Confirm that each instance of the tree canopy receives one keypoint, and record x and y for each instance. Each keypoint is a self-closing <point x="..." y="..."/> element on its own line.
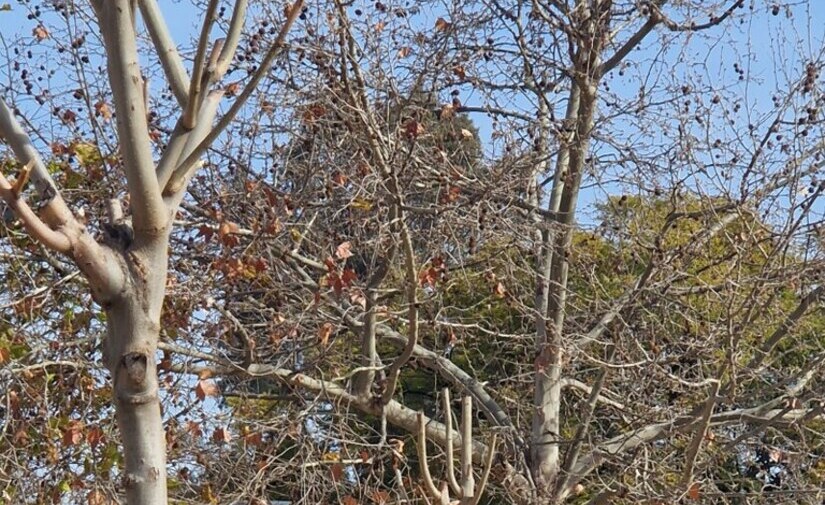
<point x="556" y="251"/>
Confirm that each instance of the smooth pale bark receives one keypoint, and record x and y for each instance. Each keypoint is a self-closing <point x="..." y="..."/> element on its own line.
<point x="575" y="140"/>
<point x="130" y="354"/>
<point x="547" y="390"/>
<point x="133" y="328"/>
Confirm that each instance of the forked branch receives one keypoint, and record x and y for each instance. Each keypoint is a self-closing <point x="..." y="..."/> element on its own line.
<point x="465" y="488"/>
<point x="39" y="230"/>
<point x="179" y="175"/>
<point x="196" y="85"/>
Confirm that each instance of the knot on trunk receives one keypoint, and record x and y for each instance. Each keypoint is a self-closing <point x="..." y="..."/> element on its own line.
<point x="130" y="382"/>
<point x="135" y="365"/>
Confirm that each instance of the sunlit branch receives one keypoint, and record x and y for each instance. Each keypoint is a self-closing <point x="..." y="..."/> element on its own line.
<point x="397" y="414"/>
<point x="232" y="37"/>
<point x="167" y="51"/>
<point x="116" y="23"/>
<point x="195" y="84"/>
<point x="207" y="114"/>
<point x="39" y="230"/>
<point x="180" y="173"/>
<point x="56" y="213"/>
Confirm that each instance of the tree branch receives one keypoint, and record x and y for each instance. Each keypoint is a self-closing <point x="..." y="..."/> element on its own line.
<point x="574" y="451"/>
<point x="232" y="37"/>
<point x="190" y="114"/>
<point x="397" y="414"/>
<point x="629" y="45"/>
<point x="628" y="441"/>
<point x="180" y="173"/>
<point x="411" y="272"/>
<point x="99" y="264"/>
<point x="186" y="144"/>
<point x="56" y="213"/>
<point x="700" y="433"/>
<point x="116" y="24"/>
<point x="782" y="330"/>
<point x="674" y="27"/>
<point x="167" y="51"/>
<point x="448" y="423"/>
<point x="38" y="230"/>
<point x="423" y="461"/>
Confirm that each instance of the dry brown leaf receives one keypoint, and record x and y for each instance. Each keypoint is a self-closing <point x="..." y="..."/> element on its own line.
<point x="227" y="232"/>
<point x="339" y="178"/>
<point x="694" y="491"/>
<point x="97" y="497"/>
<point x="413" y="129"/>
<point x="447" y="111"/>
<point x="94" y="436"/>
<point x="324" y="333"/>
<point x="194" y="428"/>
<point x="337" y="470"/>
<point x="103" y="110"/>
<point x="221" y="435"/>
<point x="40" y="32"/>
<point x="253" y="438"/>
<point x="500" y="291"/>
<point x="232" y="89"/>
<point x="344" y="250"/>
<point x="380" y="496"/>
<point x="348" y="277"/>
<point x="206" y="388"/>
<point x="73" y="433"/>
<point x="357" y="298"/>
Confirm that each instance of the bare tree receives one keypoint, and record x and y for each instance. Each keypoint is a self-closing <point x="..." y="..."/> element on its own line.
<point x="552" y="208"/>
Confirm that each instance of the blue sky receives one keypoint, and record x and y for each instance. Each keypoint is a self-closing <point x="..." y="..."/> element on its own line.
<point x="707" y="59"/>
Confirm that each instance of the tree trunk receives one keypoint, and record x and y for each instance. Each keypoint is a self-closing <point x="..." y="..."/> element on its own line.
<point x="547" y="393"/>
<point x="132" y="341"/>
<point x="550" y="360"/>
<point x="133" y="324"/>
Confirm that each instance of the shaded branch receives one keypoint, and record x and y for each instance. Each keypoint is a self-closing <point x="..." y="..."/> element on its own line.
<point x="629" y="45"/>
<point x="767" y="412"/>
<point x="574" y="451"/>
<point x="693" y="27"/>
<point x="782" y="330"/>
<point x="411" y="272"/>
